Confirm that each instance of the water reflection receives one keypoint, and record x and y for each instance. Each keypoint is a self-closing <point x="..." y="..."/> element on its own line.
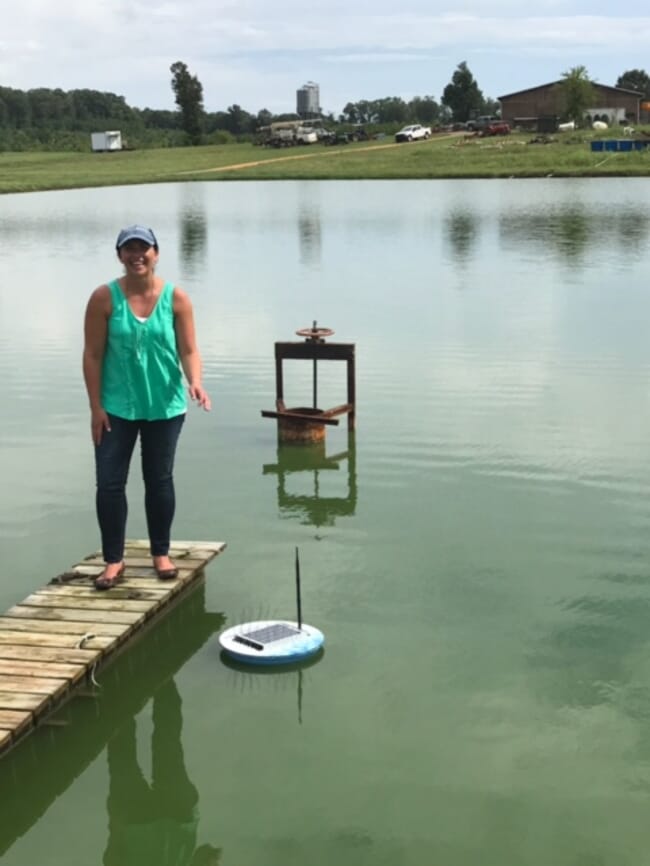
<point x="585" y="660"/>
<point x="248" y="678"/>
<point x="314" y="508"/>
<point x="309" y="233"/>
<point x="461" y="231"/>
<point x="572" y="231"/>
<point x="52" y="757"/>
<point x="309" y="225"/>
<point x="157" y="822"/>
<point x="193" y="238"/>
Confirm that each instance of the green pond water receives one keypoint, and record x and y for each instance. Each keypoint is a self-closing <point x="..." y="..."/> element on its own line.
<point x="476" y="553"/>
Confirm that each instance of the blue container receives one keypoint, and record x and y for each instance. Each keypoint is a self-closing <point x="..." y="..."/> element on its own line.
<point x="625" y="145"/>
<point x="597" y="145"/>
<point x="639" y="144"/>
<point x="611" y="144"/>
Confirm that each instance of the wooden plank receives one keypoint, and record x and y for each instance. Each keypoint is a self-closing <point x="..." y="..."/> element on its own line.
<point x="145" y="562"/>
<point x="25" y="701"/>
<point x="137" y="590"/>
<point x="76" y="615"/>
<point x="84" y="575"/>
<point x="52" y="639"/>
<point x="106" y="601"/>
<point x="32" y="685"/>
<point x="339" y="410"/>
<point x="25" y="652"/>
<point x="297" y="416"/>
<point x="15" y="720"/>
<point x="19" y="667"/>
<point x="104" y="629"/>
<point x="177" y="547"/>
<point x="61" y="641"/>
<point x="315" y="351"/>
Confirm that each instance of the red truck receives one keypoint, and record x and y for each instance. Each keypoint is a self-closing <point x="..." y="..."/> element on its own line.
<point x="495" y="127"/>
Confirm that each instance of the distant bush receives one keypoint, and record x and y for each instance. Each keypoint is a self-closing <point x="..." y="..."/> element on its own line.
<point x="220" y="136"/>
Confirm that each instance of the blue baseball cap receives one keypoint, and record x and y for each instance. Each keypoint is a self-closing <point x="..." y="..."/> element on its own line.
<point x="136" y="233"/>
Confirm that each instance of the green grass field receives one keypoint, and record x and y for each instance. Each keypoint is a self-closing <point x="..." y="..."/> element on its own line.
<point x="442" y="156"/>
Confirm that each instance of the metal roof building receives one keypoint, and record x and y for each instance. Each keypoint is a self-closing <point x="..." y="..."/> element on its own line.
<point x="612" y="104"/>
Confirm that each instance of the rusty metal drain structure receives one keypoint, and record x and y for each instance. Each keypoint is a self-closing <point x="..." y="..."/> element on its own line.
<point x="307" y="424"/>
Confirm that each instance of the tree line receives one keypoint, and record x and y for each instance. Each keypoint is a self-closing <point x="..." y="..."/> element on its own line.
<point x="54" y="119"/>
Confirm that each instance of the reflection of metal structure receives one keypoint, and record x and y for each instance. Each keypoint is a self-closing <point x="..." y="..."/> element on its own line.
<point x="316" y="510"/>
<point x="248" y="679"/>
<point x="307" y="424"/>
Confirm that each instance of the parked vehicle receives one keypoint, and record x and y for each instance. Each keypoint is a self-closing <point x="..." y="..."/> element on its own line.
<point x="414" y="132"/>
<point x="496" y="127"/>
<point x="323" y="135"/>
<point x="474" y="124"/>
<point x="358" y="134"/>
<point x="106" y="141"/>
<point x="286" y="133"/>
<point x="306" y="136"/>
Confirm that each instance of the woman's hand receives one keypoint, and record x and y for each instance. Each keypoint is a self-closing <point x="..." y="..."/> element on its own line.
<point x="199" y="396"/>
<point x="98" y="423"/>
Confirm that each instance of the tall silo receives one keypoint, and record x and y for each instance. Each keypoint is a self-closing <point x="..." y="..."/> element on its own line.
<point x="308" y="101"/>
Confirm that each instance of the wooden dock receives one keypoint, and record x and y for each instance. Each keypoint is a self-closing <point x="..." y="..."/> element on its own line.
<point x="56" y="638"/>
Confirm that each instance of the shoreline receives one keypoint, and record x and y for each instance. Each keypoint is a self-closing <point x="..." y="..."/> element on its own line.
<point x="445" y="157"/>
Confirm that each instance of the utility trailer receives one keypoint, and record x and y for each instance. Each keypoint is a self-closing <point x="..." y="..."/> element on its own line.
<point x="101" y="142"/>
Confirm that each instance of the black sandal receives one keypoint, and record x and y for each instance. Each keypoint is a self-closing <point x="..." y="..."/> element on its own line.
<point x="103" y="582"/>
<point x="167" y="573"/>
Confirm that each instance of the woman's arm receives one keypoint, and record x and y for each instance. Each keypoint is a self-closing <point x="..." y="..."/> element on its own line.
<point x="95" y="331"/>
<point x="187" y="349"/>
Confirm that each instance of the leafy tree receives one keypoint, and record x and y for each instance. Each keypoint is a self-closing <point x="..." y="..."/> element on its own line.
<point x="635" y="79"/>
<point x="576" y="93"/>
<point x="424" y="110"/>
<point x="50" y="108"/>
<point x="462" y="95"/>
<point x="18" y="111"/>
<point x="491" y="107"/>
<point x="390" y="109"/>
<point x="188" y="92"/>
<point x="160" y="118"/>
<point x="264" y="117"/>
<point x="238" y="121"/>
<point x="349" y="114"/>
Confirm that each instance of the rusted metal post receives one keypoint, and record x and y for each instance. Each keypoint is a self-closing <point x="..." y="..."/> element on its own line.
<point x="351" y="392"/>
<point x="302" y="424"/>
<point x="279" y="381"/>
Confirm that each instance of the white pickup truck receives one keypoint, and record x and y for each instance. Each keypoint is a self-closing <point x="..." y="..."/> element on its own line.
<point x="413" y="132"/>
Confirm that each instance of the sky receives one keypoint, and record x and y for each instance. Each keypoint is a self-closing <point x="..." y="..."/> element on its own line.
<point x="257" y="53"/>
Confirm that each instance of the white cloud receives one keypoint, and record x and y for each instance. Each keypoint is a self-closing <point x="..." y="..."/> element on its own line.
<point x="257" y="54"/>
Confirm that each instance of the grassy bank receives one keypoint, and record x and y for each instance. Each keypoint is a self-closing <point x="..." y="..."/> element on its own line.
<point x="444" y="156"/>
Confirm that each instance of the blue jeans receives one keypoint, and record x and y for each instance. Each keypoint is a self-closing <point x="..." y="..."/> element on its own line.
<point x="112" y="460"/>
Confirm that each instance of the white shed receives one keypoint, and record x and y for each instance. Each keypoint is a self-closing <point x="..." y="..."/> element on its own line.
<point x="111" y="140"/>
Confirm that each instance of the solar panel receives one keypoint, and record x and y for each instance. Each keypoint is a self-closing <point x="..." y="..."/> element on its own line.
<point x="271" y="633"/>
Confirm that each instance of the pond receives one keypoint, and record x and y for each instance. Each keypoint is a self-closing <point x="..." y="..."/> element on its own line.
<point x="476" y="553"/>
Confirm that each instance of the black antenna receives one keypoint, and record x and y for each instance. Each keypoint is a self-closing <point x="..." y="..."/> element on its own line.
<point x="298" y="600"/>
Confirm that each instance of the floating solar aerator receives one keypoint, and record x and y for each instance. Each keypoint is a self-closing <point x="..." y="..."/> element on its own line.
<point x="273" y="641"/>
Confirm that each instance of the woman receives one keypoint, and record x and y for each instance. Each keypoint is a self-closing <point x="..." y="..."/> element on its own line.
<point x="139" y="332"/>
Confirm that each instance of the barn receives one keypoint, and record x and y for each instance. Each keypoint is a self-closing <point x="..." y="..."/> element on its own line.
<point x="539" y="107"/>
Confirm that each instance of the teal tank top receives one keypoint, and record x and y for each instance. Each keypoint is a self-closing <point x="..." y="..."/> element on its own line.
<point x="141" y="376"/>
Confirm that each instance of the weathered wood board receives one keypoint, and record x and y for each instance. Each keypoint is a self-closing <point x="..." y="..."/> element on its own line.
<point x="56" y="637"/>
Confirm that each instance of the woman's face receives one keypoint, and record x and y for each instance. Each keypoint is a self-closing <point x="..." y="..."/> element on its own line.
<point x="137" y="257"/>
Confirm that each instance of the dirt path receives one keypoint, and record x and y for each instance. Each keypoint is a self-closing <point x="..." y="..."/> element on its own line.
<point x="320" y="153"/>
